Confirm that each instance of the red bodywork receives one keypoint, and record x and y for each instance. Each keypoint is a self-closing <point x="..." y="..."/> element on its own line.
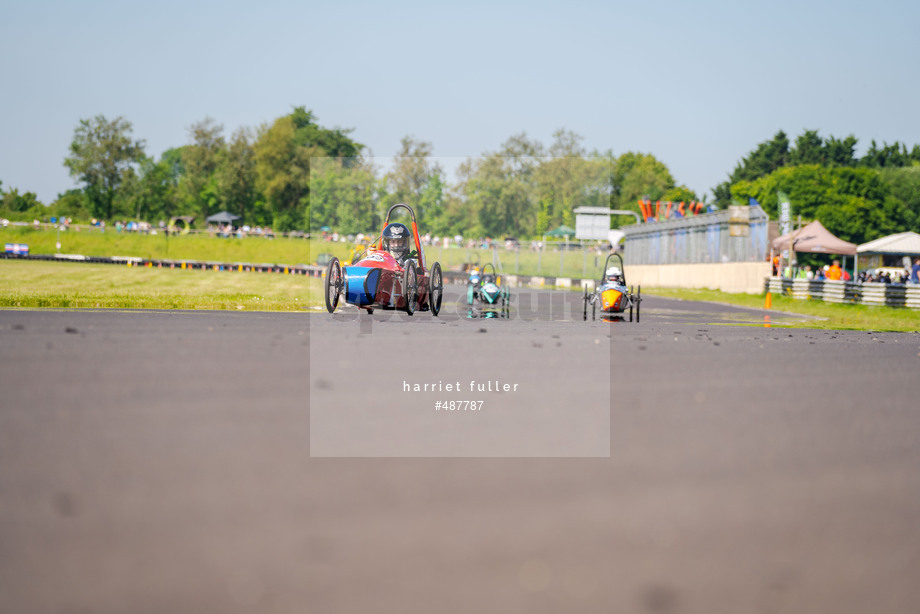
<point x="391" y="273"/>
<point x="391" y="278"/>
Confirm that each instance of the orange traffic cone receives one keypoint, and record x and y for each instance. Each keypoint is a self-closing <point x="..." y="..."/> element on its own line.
<point x="768" y="304"/>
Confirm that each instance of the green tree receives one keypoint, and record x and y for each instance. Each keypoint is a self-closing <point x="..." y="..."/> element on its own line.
<point x="853" y="203"/>
<point x="903" y="184"/>
<point x="334" y="142"/>
<point x="416" y="180"/>
<point x="894" y="155"/>
<point x="20" y="203"/>
<point x="23" y="207"/>
<point x="283" y="152"/>
<point x="840" y="152"/>
<point x="637" y="176"/>
<point x="499" y="189"/>
<point x="809" y="149"/>
<point x="155" y="194"/>
<point x="71" y="204"/>
<point x="172" y="158"/>
<point x="678" y="194"/>
<point x="570" y="178"/>
<point x="236" y="174"/>
<point x="343" y="195"/>
<point x="198" y="185"/>
<point x="766" y="158"/>
<point x="102" y="156"/>
<point x="283" y="173"/>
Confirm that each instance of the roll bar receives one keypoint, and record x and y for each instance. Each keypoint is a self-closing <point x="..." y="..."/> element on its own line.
<point x="418" y="243"/>
<point x="607" y="266"/>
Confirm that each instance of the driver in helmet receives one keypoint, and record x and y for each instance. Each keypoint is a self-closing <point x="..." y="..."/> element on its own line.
<point x="615" y="275"/>
<point x="396" y="242"/>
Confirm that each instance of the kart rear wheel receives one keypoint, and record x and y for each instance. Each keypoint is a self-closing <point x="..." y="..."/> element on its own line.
<point x="334" y="284"/>
<point x="435" y="289"/>
<point x="585" y="299"/>
<point x="410" y="287"/>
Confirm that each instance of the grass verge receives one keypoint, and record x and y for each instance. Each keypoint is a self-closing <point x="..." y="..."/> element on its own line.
<point x="828" y="315"/>
<point x="30" y="284"/>
<point x="282" y="250"/>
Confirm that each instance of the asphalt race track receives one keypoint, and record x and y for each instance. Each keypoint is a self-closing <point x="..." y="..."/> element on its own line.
<point x="160" y="462"/>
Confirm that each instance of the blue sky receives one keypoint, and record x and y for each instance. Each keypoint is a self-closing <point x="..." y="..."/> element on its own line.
<point x="696" y="84"/>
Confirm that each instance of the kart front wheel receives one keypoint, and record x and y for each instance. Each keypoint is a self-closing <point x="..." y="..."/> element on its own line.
<point x="410" y="287"/>
<point x="334" y="284"/>
<point x="638" y="301"/>
<point x="435" y="288"/>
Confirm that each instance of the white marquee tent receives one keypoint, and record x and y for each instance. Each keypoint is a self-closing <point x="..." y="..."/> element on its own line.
<point x="900" y="244"/>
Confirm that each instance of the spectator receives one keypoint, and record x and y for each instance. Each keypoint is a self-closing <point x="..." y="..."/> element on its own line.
<point x="915" y="272"/>
<point x="834" y="272"/>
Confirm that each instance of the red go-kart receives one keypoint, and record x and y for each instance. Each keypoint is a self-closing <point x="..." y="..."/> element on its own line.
<point x="378" y="280"/>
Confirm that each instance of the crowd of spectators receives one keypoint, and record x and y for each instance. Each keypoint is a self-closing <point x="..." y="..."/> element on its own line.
<point x="141" y="227"/>
<point x="891" y="275"/>
<point x="229" y="230"/>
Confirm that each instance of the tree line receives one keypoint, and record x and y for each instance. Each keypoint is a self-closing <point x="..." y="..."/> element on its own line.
<point x="856" y="198"/>
<point x="294" y="174"/>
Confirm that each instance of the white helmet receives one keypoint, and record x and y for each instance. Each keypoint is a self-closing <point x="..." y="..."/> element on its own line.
<point x="614" y="272"/>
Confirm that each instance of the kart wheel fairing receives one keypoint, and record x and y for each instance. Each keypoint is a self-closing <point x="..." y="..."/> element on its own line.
<point x="361" y="285"/>
<point x="611" y="300"/>
<point x="490" y="293"/>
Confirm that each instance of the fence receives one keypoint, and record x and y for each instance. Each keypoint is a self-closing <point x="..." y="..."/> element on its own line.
<point x="736" y="234"/>
<point x="891" y="295"/>
<point x="164" y="263"/>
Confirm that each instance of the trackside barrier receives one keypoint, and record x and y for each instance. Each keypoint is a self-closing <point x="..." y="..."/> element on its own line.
<point x="133" y="261"/>
<point x="833" y="291"/>
<point x="736" y="234"/>
<point x="725" y="276"/>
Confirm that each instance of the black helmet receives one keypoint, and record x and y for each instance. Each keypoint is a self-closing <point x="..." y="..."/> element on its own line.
<point x="396" y="240"/>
